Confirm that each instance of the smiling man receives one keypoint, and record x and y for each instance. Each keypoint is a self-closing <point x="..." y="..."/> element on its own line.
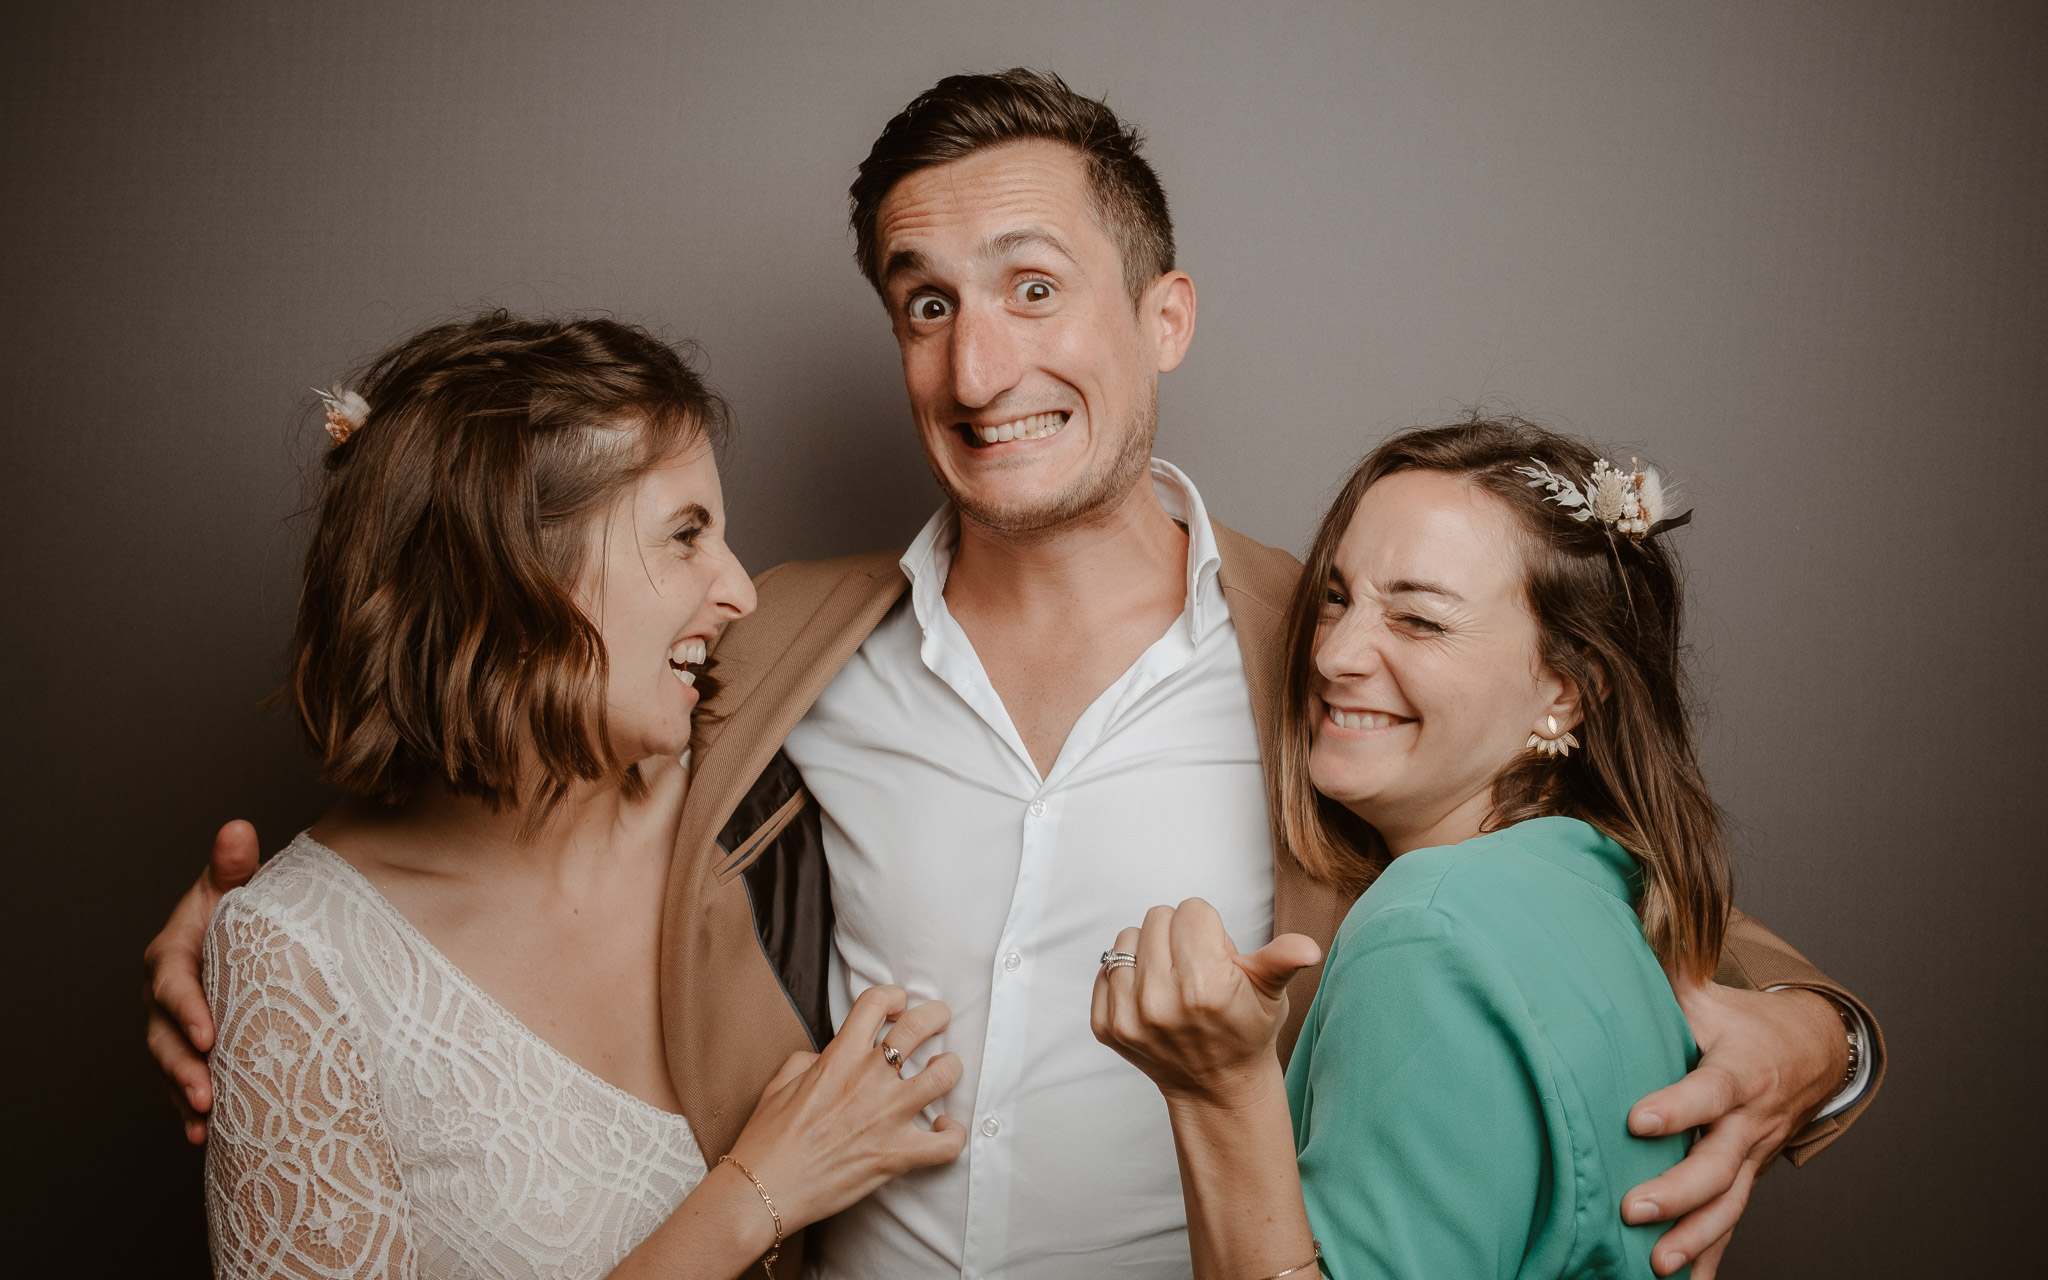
<point x="962" y="767"/>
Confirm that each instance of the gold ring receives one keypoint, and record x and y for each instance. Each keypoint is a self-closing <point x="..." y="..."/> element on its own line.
<point x="891" y="1055"/>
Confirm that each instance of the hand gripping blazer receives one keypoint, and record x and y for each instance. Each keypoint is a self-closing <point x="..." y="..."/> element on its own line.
<point x="747" y="926"/>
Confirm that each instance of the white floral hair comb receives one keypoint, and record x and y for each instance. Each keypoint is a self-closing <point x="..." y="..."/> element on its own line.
<point x="1632" y="502"/>
<point x="346" y="411"/>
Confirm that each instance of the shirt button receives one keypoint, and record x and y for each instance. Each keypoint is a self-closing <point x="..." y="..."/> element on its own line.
<point x="1038" y="808"/>
<point x="1011" y="961"/>
<point x="991" y="1127"/>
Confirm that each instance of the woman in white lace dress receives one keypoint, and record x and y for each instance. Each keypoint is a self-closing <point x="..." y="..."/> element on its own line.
<point x="439" y="1050"/>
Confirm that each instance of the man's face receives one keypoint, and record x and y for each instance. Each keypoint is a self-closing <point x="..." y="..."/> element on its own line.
<point x="1033" y="379"/>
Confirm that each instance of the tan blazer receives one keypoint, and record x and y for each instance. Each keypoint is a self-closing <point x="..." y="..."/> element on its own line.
<point x="746" y="932"/>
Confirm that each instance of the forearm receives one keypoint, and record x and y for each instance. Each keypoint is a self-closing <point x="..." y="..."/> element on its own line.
<point x="1238" y="1177"/>
<point x="719" y="1230"/>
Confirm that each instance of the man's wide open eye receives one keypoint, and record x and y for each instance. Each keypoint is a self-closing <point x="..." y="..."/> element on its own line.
<point x="929" y="306"/>
<point x="1034" y="291"/>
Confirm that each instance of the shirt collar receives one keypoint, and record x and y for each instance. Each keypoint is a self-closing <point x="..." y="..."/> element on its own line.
<point x="930" y="558"/>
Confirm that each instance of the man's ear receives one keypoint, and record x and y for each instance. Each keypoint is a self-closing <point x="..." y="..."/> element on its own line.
<point x="1168" y="310"/>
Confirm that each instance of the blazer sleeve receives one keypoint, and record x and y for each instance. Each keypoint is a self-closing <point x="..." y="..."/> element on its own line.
<point x="1756" y="959"/>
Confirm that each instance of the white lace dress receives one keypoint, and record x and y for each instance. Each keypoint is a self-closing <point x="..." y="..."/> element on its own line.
<point x="376" y="1114"/>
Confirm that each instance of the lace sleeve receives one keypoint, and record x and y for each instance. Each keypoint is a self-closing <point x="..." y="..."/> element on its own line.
<point x="301" y="1179"/>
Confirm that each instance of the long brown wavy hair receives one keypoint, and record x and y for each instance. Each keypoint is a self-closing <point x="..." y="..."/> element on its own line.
<point x="1607" y="610"/>
<point x="438" y="637"/>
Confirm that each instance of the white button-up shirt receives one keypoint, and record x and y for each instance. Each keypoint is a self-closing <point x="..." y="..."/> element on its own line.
<point x="961" y="875"/>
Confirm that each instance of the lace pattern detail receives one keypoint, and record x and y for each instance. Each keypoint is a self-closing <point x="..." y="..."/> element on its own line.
<point x="377" y="1114"/>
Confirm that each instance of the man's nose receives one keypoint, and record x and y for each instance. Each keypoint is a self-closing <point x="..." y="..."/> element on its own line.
<point x="985" y="356"/>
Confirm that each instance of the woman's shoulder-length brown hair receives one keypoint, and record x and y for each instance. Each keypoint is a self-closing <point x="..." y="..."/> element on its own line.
<point x="1608" y="613"/>
<point x="438" y="638"/>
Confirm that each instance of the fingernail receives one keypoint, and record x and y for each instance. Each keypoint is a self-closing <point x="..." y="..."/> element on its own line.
<point x="1648" y="1122"/>
<point x="192" y="1032"/>
<point x="1673" y="1261"/>
<point x="1643" y="1211"/>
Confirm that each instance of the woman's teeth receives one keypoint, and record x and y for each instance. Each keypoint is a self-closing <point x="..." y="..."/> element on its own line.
<point x="1036" y="427"/>
<point x="684" y="654"/>
<point x="1361" y="719"/>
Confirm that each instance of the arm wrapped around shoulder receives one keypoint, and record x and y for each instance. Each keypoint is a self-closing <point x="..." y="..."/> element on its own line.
<point x="1755" y="959"/>
<point x="301" y="1178"/>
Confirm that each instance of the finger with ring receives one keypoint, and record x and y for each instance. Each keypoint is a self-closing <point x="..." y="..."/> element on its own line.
<point x="1118" y="960"/>
<point x="891" y="1055"/>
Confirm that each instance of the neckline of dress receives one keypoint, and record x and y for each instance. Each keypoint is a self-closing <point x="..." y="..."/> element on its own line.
<point x="412" y="931"/>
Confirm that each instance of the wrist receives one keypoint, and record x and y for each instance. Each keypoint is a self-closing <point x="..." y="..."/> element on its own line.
<point x="720" y="1229"/>
<point x="1850" y="1051"/>
<point x="1251" y="1087"/>
<point x="1823" y="1022"/>
<point x="750" y="1207"/>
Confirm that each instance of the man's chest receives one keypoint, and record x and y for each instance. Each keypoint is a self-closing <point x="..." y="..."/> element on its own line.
<point x="948" y="851"/>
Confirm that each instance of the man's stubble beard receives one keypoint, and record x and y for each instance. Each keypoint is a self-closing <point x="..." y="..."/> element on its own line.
<point x="1092" y="496"/>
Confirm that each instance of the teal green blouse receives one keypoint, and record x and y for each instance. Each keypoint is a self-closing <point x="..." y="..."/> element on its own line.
<point x="1489" y="1013"/>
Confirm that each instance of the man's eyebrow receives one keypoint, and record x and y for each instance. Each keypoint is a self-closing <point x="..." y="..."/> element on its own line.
<point x="1405" y="586"/>
<point x="1009" y="242"/>
<point x="690" y="511"/>
<point x="911" y="262"/>
<point x="901" y="261"/>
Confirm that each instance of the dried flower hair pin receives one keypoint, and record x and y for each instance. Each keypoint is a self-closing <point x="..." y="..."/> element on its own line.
<point x="346" y="411"/>
<point x="1631" y="502"/>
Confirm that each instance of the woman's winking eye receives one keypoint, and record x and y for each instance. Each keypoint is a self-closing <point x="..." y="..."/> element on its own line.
<point x="692" y="529"/>
<point x="1419" y="624"/>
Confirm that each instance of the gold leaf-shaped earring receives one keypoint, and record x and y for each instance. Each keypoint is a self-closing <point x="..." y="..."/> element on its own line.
<point x="1554" y="745"/>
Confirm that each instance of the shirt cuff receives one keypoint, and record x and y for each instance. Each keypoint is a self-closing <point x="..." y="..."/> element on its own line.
<point x="1858" y="1031"/>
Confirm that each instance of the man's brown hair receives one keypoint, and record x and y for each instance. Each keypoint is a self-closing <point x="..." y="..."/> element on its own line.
<point x="961" y="115"/>
<point x="1607" y="611"/>
<point x="438" y="638"/>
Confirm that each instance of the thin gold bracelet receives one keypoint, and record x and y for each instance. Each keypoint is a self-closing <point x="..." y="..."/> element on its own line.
<point x="774" y="1250"/>
<point x="1304" y="1266"/>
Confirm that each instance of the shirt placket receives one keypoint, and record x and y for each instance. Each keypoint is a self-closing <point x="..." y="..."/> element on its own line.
<point x="991" y="1131"/>
<point x="995" y="1127"/>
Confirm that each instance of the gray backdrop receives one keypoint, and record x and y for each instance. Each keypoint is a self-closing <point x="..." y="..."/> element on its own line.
<point x="1793" y="251"/>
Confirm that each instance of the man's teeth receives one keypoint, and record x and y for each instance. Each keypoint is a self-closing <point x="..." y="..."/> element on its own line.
<point x="687" y="677"/>
<point x="1035" y="427"/>
<point x="1361" y="719"/>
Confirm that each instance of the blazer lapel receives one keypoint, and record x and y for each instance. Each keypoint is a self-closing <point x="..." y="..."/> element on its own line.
<point x="727" y="1021"/>
<point x="771" y="669"/>
<point x="1258" y="583"/>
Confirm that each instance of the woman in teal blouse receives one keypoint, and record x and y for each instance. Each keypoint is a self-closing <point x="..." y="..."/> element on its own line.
<point x="1485" y="723"/>
<point x="1460" y="1090"/>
